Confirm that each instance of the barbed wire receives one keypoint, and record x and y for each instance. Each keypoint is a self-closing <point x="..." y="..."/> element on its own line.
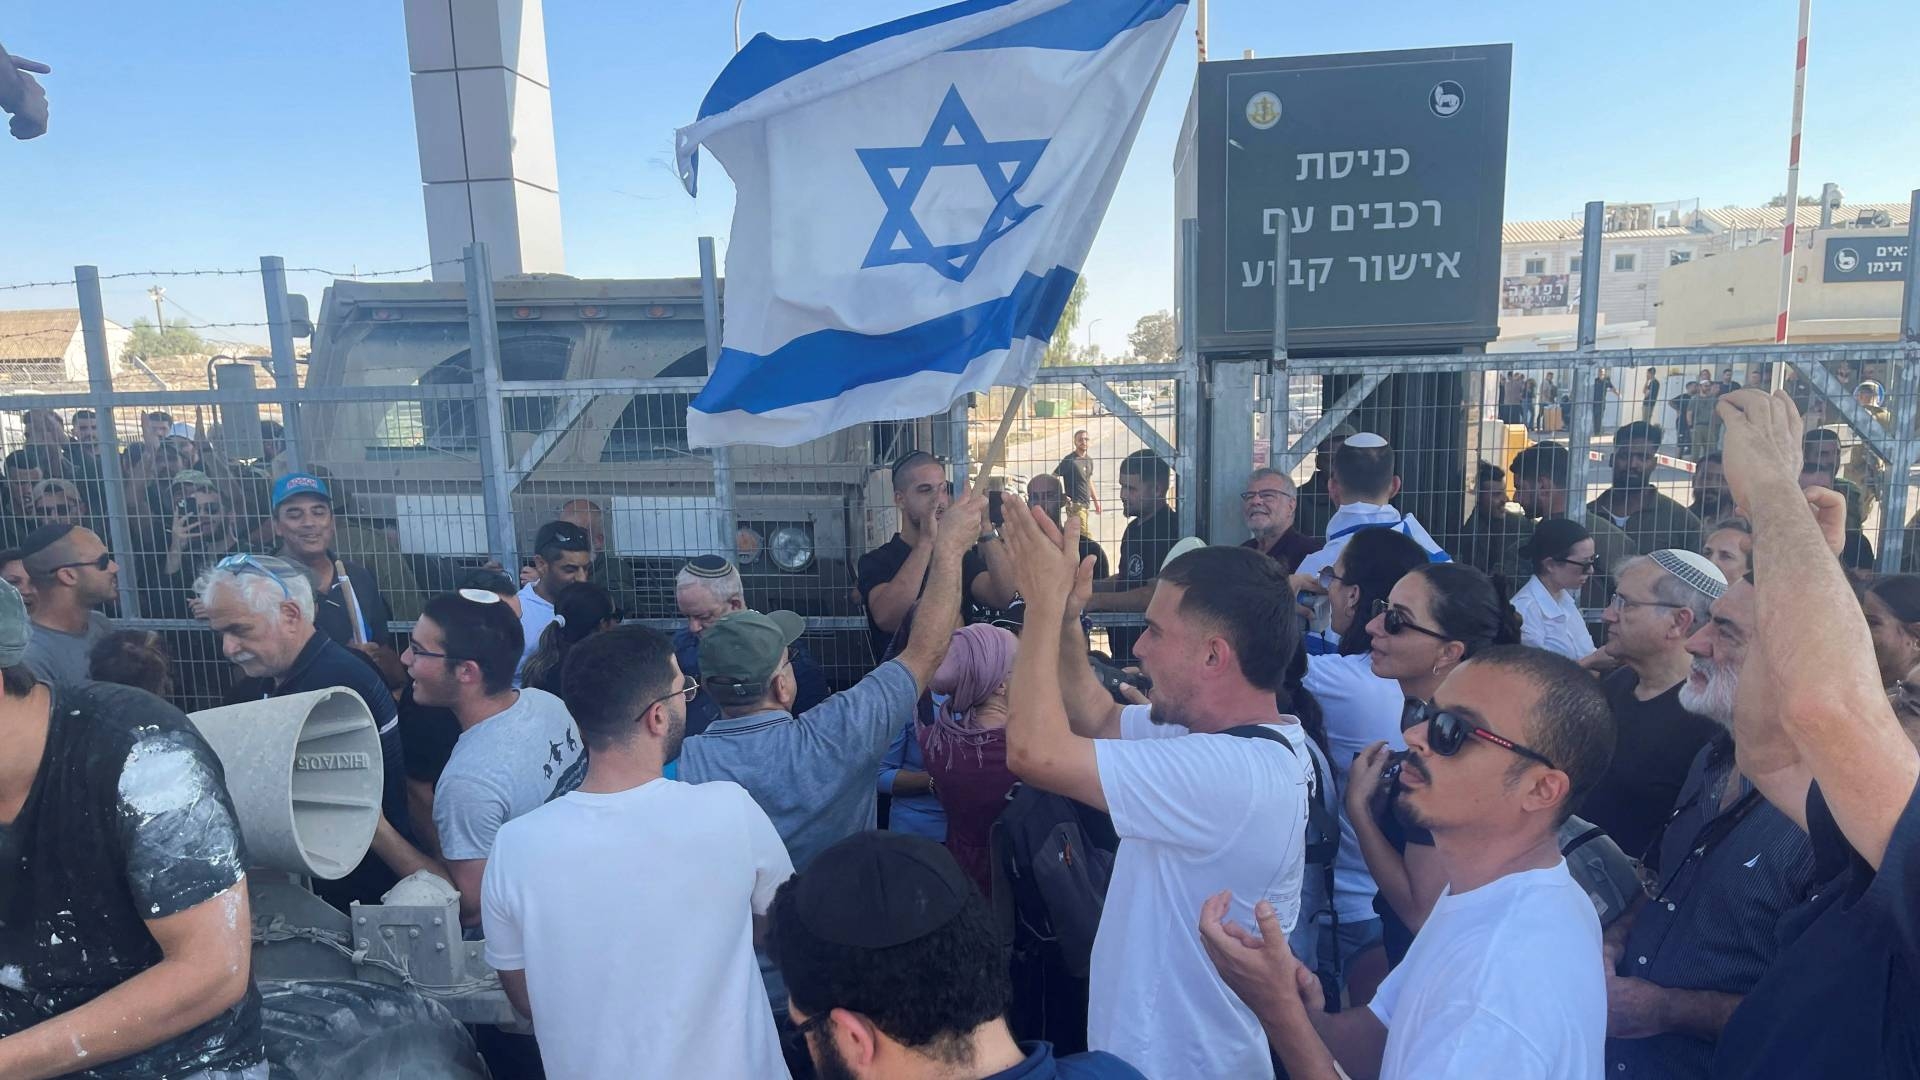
<point x="345" y="274"/>
<point x="57" y="334"/>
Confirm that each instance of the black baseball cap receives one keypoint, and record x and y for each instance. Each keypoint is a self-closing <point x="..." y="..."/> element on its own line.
<point x="876" y="890"/>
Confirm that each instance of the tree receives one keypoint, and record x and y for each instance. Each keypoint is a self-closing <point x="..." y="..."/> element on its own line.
<point x="1779" y="202"/>
<point x="174" y="340"/>
<point x="1060" y="351"/>
<point x="1152" y="339"/>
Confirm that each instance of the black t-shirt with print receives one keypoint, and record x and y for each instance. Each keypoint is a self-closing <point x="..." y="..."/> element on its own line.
<point x="128" y="820"/>
<point x="1143" y="547"/>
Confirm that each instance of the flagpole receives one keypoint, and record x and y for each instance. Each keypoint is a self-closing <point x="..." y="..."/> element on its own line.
<point x="998" y="446"/>
<point x="1793" y="175"/>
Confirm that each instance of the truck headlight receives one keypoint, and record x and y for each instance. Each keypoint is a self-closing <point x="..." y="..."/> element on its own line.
<point x="748" y="543"/>
<point x="790" y="548"/>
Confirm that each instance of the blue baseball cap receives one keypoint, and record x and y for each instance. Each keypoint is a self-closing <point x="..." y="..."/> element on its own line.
<point x="299" y="484"/>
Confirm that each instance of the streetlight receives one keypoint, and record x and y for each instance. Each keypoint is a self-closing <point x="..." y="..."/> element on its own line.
<point x="1087" y="344"/>
<point x="737" y="5"/>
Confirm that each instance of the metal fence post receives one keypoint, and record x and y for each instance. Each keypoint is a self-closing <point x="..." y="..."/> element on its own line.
<point x="1279" y="397"/>
<point x="93" y="331"/>
<point x="1586" y="364"/>
<point x="273" y="282"/>
<point x="1186" y="435"/>
<point x="483" y="341"/>
<point x="722" y="455"/>
<point x="1906" y="405"/>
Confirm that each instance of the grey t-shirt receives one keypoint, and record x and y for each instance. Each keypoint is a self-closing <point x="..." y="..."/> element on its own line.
<point x="508" y="764"/>
<point x="61" y="658"/>
<point x="812" y="773"/>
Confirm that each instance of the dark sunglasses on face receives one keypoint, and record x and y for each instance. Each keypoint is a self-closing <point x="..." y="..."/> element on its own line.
<point x="105" y="560"/>
<point x="1586" y="565"/>
<point x="1395" y="621"/>
<point x="1448" y="731"/>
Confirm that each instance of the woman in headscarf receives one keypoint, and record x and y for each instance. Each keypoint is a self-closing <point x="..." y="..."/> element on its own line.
<point x="965" y="747"/>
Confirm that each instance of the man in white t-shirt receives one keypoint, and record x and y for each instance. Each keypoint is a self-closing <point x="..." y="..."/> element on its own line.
<point x="1193" y="805"/>
<point x="562" y="556"/>
<point x="1502" y="979"/>
<point x="621" y="916"/>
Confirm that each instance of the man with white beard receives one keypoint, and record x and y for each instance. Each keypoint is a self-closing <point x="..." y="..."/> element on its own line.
<point x="1726" y="867"/>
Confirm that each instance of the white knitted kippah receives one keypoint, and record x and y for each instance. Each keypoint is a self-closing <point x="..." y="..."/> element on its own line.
<point x="1366" y="440"/>
<point x="1694" y="569"/>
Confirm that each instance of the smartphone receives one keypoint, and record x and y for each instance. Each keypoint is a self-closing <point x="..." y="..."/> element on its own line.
<point x="1112" y="678"/>
<point x="994" y="513"/>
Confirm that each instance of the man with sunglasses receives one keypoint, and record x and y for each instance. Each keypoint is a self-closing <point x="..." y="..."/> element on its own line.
<point x="73" y="576"/>
<point x="1503" y="978"/>
<point x="891" y="576"/>
<point x="260" y="609"/>
<point x="517" y="748"/>
<point x="620" y="916"/>
<point x="1659" y="601"/>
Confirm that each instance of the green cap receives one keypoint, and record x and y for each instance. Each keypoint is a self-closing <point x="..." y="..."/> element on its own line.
<point x="739" y="653"/>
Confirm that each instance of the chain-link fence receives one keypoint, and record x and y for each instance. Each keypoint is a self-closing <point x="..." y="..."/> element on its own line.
<point x="446" y="452"/>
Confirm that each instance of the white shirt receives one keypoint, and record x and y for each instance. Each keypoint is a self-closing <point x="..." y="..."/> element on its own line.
<point x="1506" y="980"/>
<point x="1353" y="517"/>
<point x="535" y="613"/>
<point x="1550" y="624"/>
<point x="1196" y="814"/>
<point x="1361" y="709"/>
<point x="632" y="916"/>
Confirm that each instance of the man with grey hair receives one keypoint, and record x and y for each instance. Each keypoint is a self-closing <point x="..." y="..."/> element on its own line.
<point x="1731" y="867"/>
<point x="260" y="608"/>
<point x="1659" y="600"/>
<point x="707" y="589"/>
<point x="1268" y="505"/>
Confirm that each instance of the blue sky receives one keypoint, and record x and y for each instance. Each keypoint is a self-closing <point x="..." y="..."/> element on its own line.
<point x="206" y="134"/>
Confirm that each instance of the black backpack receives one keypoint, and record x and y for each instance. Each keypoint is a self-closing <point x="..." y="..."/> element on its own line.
<point x="1052" y="860"/>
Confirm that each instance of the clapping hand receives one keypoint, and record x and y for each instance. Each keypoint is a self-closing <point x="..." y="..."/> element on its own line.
<point x="1260" y="968"/>
<point x="21" y="95"/>
<point x="1046" y="560"/>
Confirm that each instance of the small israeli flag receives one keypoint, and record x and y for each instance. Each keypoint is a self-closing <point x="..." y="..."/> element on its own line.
<point x="914" y="203"/>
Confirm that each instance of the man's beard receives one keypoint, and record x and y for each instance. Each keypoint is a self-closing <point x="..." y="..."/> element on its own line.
<point x="1167" y="714"/>
<point x="676" y="736"/>
<point x="1629" y="479"/>
<point x="828" y="1062"/>
<point x="1712" y="501"/>
<point x="1715" y="700"/>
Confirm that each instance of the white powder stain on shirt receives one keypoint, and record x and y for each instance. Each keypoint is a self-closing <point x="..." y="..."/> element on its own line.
<point x="13" y="978"/>
<point x="160" y="777"/>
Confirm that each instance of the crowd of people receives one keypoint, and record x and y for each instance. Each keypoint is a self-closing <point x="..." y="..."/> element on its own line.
<point x="1342" y="802"/>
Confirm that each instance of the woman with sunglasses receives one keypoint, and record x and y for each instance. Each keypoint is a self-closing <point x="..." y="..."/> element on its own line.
<point x="1561" y="552"/>
<point x="1433" y="620"/>
<point x="1360" y="709"/>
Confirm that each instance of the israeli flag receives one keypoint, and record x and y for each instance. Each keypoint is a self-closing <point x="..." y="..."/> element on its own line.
<point x="914" y="203"/>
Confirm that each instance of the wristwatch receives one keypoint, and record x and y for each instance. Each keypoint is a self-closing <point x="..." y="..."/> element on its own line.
<point x="990" y="534"/>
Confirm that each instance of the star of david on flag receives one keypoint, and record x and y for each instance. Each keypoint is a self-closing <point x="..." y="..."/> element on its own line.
<point x="913" y="204"/>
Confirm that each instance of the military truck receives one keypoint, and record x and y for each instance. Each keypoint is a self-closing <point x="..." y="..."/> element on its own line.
<point x="633" y="351"/>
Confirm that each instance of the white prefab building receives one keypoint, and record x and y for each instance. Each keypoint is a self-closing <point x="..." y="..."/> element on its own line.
<point x="40" y="347"/>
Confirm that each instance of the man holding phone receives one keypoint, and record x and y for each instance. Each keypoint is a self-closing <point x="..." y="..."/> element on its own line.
<point x="202" y="533"/>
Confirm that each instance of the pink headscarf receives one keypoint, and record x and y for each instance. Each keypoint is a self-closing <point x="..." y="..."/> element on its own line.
<point x="979" y="661"/>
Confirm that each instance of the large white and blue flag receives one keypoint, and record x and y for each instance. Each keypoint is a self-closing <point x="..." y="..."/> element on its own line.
<point x="913" y="204"/>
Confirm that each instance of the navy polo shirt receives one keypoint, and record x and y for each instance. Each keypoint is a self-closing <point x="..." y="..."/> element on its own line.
<point x="1042" y="1065"/>
<point x="1842" y="998"/>
<point x="1727" y="874"/>
<point x="324" y="664"/>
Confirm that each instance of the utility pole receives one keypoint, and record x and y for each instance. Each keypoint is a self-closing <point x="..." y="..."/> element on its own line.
<point x="155" y="294"/>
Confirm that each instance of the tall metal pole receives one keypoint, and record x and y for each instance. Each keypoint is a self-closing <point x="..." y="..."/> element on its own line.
<point x="93" y="332"/>
<point x="286" y="377"/>
<point x="483" y="339"/>
<point x="1793" y="175"/>
<point x="1187" y="425"/>
<point x="1279" y="378"/>
<point x="722" y="456"/>
<point x="1905" y="380"/>
<point x="1586" y="363"/>
<point x="1200" y="28"/>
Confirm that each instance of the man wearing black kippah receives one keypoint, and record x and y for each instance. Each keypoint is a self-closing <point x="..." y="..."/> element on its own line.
<point x="894" y="970"/>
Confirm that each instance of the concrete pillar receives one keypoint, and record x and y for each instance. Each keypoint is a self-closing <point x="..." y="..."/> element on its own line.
<point x="484" y="120"/>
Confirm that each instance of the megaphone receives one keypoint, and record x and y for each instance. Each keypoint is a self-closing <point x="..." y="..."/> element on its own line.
<point x="305" y="775"/>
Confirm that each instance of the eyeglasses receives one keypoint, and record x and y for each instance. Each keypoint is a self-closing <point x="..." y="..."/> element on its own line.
<point x="1585" y="565"/>
<point x="1265" y="496"/>
<point x="240" y="564"/>
<point x="1394" y="621"/>
<point x="105" y="560"/>
<point x="413" y="646"/>
<point x="1447" y="732"/>
<point x="685" y="693"/>
<point x="1328" y="577"/>
<point x="1622" y="602"/>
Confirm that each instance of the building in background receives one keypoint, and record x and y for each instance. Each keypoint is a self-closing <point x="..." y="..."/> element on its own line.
<point x="42" y="348"/>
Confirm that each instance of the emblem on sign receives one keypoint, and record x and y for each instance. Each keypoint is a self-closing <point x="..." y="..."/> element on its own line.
<point x="1845" y="260"/>
<point x="1446" y="98"/>
<point x="1263" y="109"/>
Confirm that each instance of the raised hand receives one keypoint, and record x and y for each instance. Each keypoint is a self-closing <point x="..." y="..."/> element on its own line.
<point x="1260" y="968"/>
<point x="1761" y="441"/>
<point x="957" y="530"/>
<point x="1046" y="560"/>
<point x="1363" y="779"/>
